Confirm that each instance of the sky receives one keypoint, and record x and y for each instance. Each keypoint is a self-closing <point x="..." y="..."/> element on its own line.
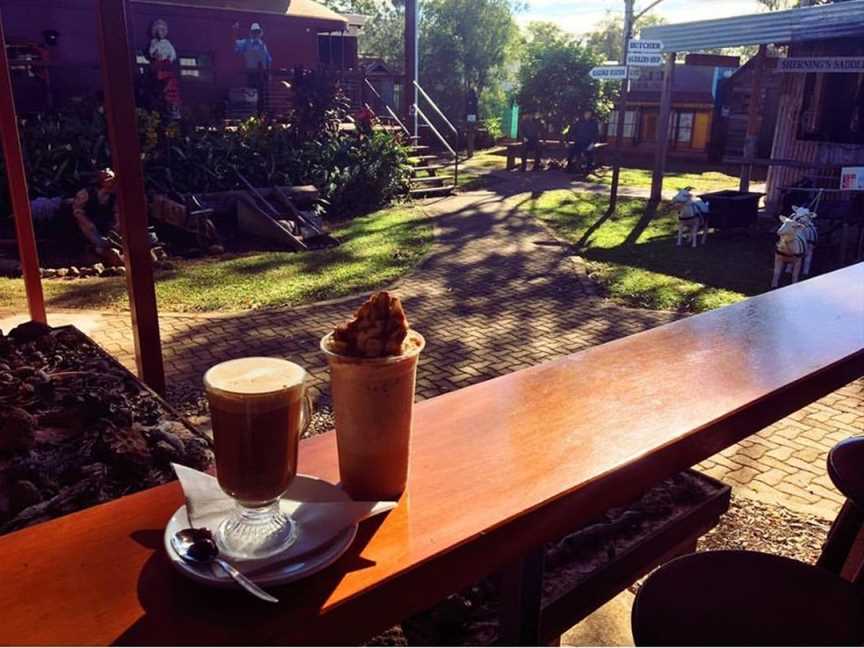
<point x="580" y="16"/>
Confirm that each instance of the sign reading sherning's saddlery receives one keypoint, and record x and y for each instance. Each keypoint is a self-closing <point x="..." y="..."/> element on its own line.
<point x="832" y="64"/>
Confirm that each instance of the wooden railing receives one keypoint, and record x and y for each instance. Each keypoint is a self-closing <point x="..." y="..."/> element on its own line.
<point x="498" y="469"/>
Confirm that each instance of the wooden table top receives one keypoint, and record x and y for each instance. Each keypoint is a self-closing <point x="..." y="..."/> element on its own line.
<point x="498" y="468"/>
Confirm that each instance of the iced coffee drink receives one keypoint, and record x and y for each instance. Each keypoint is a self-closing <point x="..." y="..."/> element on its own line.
<point x="373" y="370"/>
<point x="259" y="409"/>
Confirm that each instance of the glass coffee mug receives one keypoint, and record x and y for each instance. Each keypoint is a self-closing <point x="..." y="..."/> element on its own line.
<point x="259" y="409"/>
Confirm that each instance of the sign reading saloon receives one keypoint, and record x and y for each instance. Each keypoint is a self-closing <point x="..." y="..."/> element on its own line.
<point x="609" y="73"/>
<point x="832" y="64"/>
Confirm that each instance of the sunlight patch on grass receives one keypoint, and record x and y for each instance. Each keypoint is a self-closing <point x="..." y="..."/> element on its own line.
<point x="701" y="182"/>
<point x="653" y="272"/>
<point x="376" y="250"/>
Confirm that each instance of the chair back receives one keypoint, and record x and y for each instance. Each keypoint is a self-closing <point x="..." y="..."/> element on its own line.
<point x="846" y="470"/>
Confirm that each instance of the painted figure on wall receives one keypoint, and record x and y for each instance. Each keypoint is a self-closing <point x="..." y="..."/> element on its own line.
<point x="163" y="61"/>
<point x="257" y="60"/>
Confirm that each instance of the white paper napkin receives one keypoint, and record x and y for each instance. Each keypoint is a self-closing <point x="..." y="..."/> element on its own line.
<point x="318" y="510"/>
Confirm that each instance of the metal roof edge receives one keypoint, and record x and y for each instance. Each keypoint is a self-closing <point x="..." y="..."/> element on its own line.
<point x="811" y="23"/>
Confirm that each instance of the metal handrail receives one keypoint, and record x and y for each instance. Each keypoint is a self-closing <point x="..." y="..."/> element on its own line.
<point x="437" y="109"/>
<point x="389" y="109"/>
<point x="444" y="141"/>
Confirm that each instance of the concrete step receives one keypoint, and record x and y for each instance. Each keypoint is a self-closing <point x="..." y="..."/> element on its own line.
<point x="429" y="167"/>
<point x="432" y="192"/>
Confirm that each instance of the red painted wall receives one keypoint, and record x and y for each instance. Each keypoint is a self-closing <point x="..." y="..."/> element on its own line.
<point x="292" y="42"/>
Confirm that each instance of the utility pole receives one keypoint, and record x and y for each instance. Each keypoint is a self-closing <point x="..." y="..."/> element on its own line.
<point x="409" y="94"/>
<point x="622" y="104"/>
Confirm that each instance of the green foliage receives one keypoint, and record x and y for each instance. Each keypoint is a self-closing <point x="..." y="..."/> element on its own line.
<point x="608" y="38"/>
<point x="382" y="35"/>
<point x="376" y="250"/>
<point x="465" y="44"/>
<point x="494" y="127"/>
<point x="554" y="80"/>
<point x="356" y="173"/>
<point x="653" y="272"/>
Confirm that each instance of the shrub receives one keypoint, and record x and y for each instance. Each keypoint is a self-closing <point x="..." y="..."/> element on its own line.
<point x="354" y="172"/>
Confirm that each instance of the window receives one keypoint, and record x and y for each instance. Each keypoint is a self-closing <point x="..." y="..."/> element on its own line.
<point x="629" y="124"/>
<point x="832" y="108"/>
<point x="649" y="127"/>
<point x="685" y="128"/>
<point x="199" y="68"/>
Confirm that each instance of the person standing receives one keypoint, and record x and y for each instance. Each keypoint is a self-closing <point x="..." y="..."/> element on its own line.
<point x="583" y="135"/>
<point x="531" y="144"/>
<point x="258" y="61"/>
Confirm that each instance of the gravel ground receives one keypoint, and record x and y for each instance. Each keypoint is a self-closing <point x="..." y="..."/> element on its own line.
<point x="773" y="529"/>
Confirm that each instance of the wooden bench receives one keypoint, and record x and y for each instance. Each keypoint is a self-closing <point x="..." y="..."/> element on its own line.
<point x="555" y="149"/>
<point x="499" y="469"/>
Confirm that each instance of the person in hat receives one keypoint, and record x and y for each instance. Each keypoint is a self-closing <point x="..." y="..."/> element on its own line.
<point x="257" y="59"/>
<point x="96" y="214"/>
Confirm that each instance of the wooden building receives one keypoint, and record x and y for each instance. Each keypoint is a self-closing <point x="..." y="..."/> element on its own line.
<point x="695" y="84"/>
<point x="62" y="63"/>
<point x="820" y="106"/>
<point x="820" y="122"/>
<point x="734" y="94"/>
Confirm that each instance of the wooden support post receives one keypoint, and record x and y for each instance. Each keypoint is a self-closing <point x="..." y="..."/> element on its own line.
<point x="17" y="178"/>
<point x="753" y="120"/>
<point x="521" y="601"/>
<point x="119" y="84"/>
<point x="409" y="98"/>
<point x="622" y="106"/>
<point x="663" y="131"/>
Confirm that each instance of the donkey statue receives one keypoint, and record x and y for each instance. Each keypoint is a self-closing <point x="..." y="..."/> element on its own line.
<point x="805" y="216"/>
<point x="692" y="216"/>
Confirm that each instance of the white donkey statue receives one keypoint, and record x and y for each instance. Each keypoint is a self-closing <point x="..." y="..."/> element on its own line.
<point x="692" y="216"/>
<point x="792" y="249"/>
<point x="805" y="216"/>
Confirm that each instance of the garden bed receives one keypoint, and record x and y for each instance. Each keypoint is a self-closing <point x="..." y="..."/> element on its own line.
<point x="583" y="569"/>
<point x="78" y="429"/>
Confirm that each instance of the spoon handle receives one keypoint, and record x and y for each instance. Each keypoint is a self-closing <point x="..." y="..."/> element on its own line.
<point x="244" y="582"/>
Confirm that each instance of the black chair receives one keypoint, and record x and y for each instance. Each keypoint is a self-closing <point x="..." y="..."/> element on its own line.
<point x="738" y="598"/>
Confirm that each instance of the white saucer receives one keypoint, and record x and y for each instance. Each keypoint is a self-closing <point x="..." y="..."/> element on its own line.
<point x="279" y="573"/>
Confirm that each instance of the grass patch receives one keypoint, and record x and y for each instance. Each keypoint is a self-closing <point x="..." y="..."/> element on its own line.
<point x="376" y="250"/>
<point x="474" y="173"/>
<point x="701" y="182"/>
<point x="653" y="272"/>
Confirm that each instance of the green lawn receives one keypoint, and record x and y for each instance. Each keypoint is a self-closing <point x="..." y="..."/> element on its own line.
<point x="701" y="182"/>
<point x="473" y="173"/>
<point x="376" y="250"/>
<point x="653" y="272"/>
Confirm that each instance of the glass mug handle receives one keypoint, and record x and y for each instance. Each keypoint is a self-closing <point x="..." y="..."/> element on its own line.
<point x="306" y="412"/>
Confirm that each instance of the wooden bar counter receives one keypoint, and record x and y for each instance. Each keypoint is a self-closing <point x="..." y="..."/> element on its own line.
<point x="497" y="469"/>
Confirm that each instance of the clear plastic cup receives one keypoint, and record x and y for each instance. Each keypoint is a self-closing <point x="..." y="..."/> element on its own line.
<point x="373" y="401"/>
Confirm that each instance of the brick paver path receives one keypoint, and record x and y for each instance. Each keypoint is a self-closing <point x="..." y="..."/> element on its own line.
<point x="497" y="295"/>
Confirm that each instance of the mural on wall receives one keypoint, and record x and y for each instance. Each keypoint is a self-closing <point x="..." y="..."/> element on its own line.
<point x="163" y="62"/>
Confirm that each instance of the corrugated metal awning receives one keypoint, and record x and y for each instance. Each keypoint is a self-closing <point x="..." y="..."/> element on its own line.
<point x="836" y="20"/>
<point x="290" y="8"/>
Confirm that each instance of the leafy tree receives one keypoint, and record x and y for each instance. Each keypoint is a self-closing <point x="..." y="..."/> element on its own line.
<point x="383" y="33"/>
<point x="465" y="45"/>
<point x="554" y="79"/>
<point x="608" y="38"/>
